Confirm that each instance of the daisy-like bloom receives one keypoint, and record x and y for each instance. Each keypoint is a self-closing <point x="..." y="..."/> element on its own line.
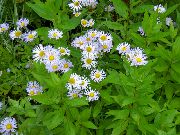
<point x="23" y="22"/>
<point x="51" y="55"/>
<point x="88" y="38"/>
<point x="76" y="14"/>
<point x="138" y="60"/>
<point x="91" y="3"/>
<point x="75" y="5"/>
<point x="74" y="94"/>
<point x="91" y="23"/>
<point x="141" y="31"/>
<point x="30" y="36"/>
<point x="159" y="8"/>
<point x="106" y="46"/>
<point x="15" y="34"/>
<point x="92" y="95"/>
<point x="1" y="104"/>
<point x="84" y="23"/>
<point x="39" y="53"/>
<point x="54" y="66"/>
<point x="168" y="21"/>
<point x="93" y="34"/>
<point x="4" y="27"/>
<point x="66" y="65"/>
<point x="89" y="48"/>
<point x="109" y="8"/>
<point x="104" y="37"/>
<point x="123" y="48"/>
<point x="89" y="62"/>
<point x="33" y="88"/>
<point x="55" y="33"/>
<point x="84" y="82"/>
<point x="8" y="126"/>
<point x="64" y="51"/>
<point x="98" y="75"/>
<point x="79" y="42"/>
<point x="73" y="81"/>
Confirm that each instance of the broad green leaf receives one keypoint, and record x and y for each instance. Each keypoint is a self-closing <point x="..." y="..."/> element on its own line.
<point x="97" y="109"/>
<point x="89" y="124"/>
<point x="85" y="114"/>
<point x="120" y="127"/>
<point x="142" y="8"/>
<point x="170" y="10"/>
<point x="76" y="102"/>
<point x="113" y="25"/>
<point x="118" y="114"/>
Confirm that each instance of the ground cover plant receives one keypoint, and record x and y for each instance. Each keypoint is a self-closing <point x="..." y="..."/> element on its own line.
<point x="89" y="67"/>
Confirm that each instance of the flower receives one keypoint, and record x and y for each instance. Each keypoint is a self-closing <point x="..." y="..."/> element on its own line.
<point x="109" y="8"/>
<point x="64" y="51"/>
<point x="91" y="23"/>
<point x="104" y="37"/>
<point x="97" y="75"/>
<point x="75" y="5"/>
<point x="4" y="27"/>
<point x="92" y="95"/>
<point x="76" y="14"/>
<point x="89" y="62"/>
<point x="73" y="81"/>
<point x="84" y="23"/>
<point x="106" y="46"/>
<point x="30" y="36"/>
<point x="123" y="48"/>
<point x="39" y="53"/>
<point x="74" y="94"/>
<point x="55" y="33"/>
<point x="54" y="66"/>
<point x="23" y="22"/>
<point x="138" y="60"/>
<point x="8" y="125"/>
<point x="84" y="82"/>
<point x="159" y="8"/>
<point x="65" y="65"/>
<point x="33" y="88"/>
<point x="15" y="34"/>
<point x="168" y="21"/>
<point x="141" y="31"/>
<point x="79" y="42"/>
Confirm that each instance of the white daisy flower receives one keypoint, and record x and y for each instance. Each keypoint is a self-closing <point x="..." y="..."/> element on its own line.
<point x="23" y="22"/>
<point x="123" y="48"/>
<point x="66" y="65"/>
<point x="109" y="8"/>
<point x="89" y="48"/>
<point x="79" y="42"/>
<point x="93" y="34"/>
<point x="54" y="66"/>
<point x="1" y="104"/>
<point x="106" y="46"/>
<point x="141" y="31"/>
<point x="75" y="5"/>
<point x="92" y="95"/>
<point x="91" y="23"/>
<point x="8" y="126"/>
<point x="33" y="88"/>
<point x="159" y="8"/>
<point x="74" y="94"/>
<point x="76" y="14"/>
<point x="138" y="60"/>
<point x="98" y="75"/>
<point x="168" y="21"/>
<point x="64" y="51"/>
<point x="30" y="36"/>
<point x="74" y="81"/>
<point x="15" y="34"/>
<point x="84" y="23"/>
<point x="104" y="37"/>
<point x="55" y="33"/>
<point x="84" y="82"/>
<point x="88" y="38"/>
<point x="89" y="62"/>
<point x="4" y="27"/>
<point x="91" y="3"/>
<point x="39" y="53"/>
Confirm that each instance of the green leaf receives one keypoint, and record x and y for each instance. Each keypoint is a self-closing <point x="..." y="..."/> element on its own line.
<point x="85" y="114"/>
<point x="118" y="114"/>
<point x="53" y="119"/>
<point x="113" y="25"/>
<point x="176" y="49"/>
<point x="76" y="102"/>
<point x="121" y="8"/>
<point x="97" y="109"/>
<point x="89" y="124"/>
<point x="120" y="127"/>
<point x="142" y="8"/>
<point x="170" y="10"/>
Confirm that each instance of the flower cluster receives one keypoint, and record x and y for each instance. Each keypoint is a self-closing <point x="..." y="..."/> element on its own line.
<point x="8" y="126"/>
<point x="55" y="33"/>
<point x="92" y="44"/>
<point x="4" y="27"/>
<point x="78" y="86"/>
<point x="135" y="55"/>
<point x="86" y="23"/>
<point x="51" y="57"/>
<point x="159" y="8"/>
<point x="77" y="5"/>
<point x="33" y="88"/>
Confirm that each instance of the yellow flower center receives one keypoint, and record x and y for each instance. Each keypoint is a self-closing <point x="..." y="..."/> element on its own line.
<point x="55" y="67"/>
<point x="62" y="50"/>
<point x="93" y="34"/>
<point x="138" y="60"/>
<point x="18" y="33"/>
<point x="41" y="53"/>
<point x="105" y="46"/>
<point x="9" y="126"/>
<point x="91" y="94"/>
<point x="80" y="43"/>
<point x="89" y="61"/>
<point x="51" y="57"/>
<point x="88" y="49"/>
<point x="75" y="95"/>
<point x="82" y="83"/>
<point x="31" y="93"/>
<point x="84" y="22"/>
<point x="97" y="75"/>
<point x="54" y="34"/>
<point x="30" y="36"/>
<point x="88" y="39"/>
<point x="77" y="14"/>
<point x="22" y="24"/>
<point x="103" y="37"/>
<point x="72" y="81"/>
<point x="76" y="3"/>
<point x="66" y="65"/>
<point x="123" y="48"/>
<point x="3" y="29"/>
